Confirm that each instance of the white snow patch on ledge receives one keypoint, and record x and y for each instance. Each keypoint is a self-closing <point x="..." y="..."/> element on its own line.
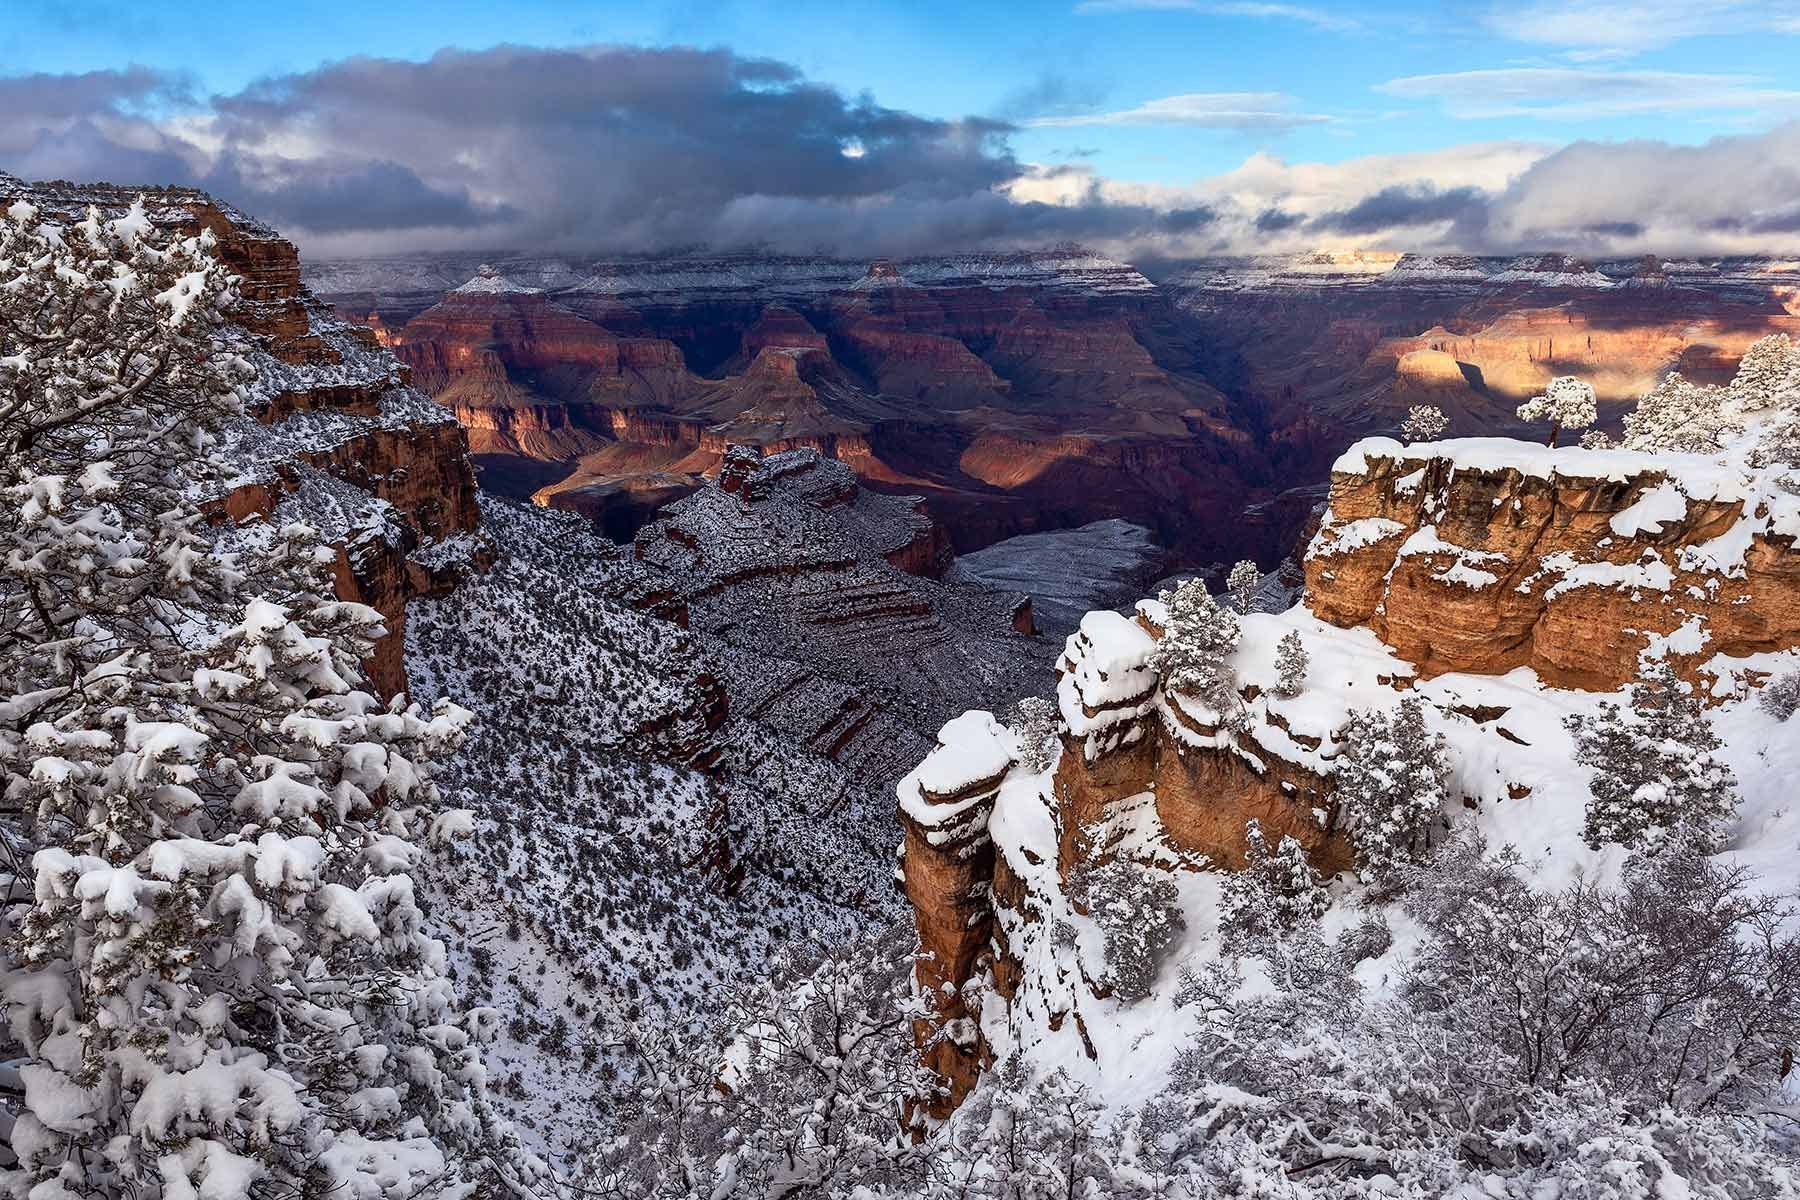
<point x="971" y="749"/>
<point x="1699" y="477"/>
<point x="1655" y="508"/>
<point x="1335" y="539"/>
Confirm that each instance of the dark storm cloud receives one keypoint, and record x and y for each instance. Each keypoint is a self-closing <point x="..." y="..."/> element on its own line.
<point x="618" y="149"/>
<point x="378" y="196"/>
<point x="54" y="97"/>
<point x="1403" y="207"/>
<point x="1273" y="220"/>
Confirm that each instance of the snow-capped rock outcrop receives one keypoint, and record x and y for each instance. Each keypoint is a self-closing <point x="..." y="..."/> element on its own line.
<point x="1485" y="554"/>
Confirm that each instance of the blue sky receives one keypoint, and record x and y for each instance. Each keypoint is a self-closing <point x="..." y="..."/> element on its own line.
<point x="1157" y="94"/>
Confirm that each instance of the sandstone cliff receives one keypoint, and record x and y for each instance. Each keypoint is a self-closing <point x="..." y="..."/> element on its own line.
<point x="1438" y="570"/>
<point x="1483" y="555"/>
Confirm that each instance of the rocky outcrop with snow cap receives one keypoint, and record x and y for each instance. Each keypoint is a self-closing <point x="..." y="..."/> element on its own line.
<point x="1485" y="554"/>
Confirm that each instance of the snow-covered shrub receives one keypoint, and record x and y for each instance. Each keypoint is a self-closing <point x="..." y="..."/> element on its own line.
<point x="1424" y="423"/>
<point x="1240" y="585"/>
<point x="1369" y="938"/>
<point x="1034" y="725"/>
<point x="1655" y="766"/>
<point x="1139" y="914"/>
<point x="820" y="1076"/>
<point x="1596" y="439"/>
<point x="1780" y="697"/>
<point x="1198" y="638"/>
<point x="1567" y="403"/>
<point x="1274" y="894"/>
<point x="1584" y="1042"/>
<point x="1391" y="783"/>
<point x="1677" y="415"/>
<point x="1291" y="663"/>
<point x="1679" y="985"/>
<point x="216" y="971"/>
<point x="1018" y="1135"/>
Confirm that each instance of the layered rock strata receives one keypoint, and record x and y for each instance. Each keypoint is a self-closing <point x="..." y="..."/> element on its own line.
<point x="1484" y="555"/>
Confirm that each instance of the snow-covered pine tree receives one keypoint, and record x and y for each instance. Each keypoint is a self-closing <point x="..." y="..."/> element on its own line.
<point x="1769" y="366"/>
<point x="216" y="974"/>
<point x="1391" y="783"/>
<point x="1275" y="893"/>
<point x="1192" y="655"/>
<point x="1656" y="770"/>
<point x="819" y="1071"/>
<point x="1291" y="661"/>
<point x="1424" y="422"/>
<point x="1677" y="415"/>
<point x="1034" y="727"/>
<point x="1241" y="585"/>
<point x="1139" y="913"/>
<point x="1568" y="403"/>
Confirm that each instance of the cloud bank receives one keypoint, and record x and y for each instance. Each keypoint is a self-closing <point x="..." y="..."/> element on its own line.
<point x="626" y="150"/>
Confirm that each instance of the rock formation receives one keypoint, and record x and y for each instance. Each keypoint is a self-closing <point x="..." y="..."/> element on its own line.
<point x="1483" y="555"/>
<point x="1475" y="556"/>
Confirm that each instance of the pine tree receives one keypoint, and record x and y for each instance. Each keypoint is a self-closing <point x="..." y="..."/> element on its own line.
<point x="1568" y="403"/>
<point x="1424" y="423"/>
<point x="1391" y="784"/>
<point x="1241" y="584"/>
<point x="1138" y="912"/>
<point x="1656" y="770"/>
<point x="1273" y="895"/>
<point x="1291" y="661"/>
<point x="219" y="981"/>
<point x="1769" y="367"/>
<point x="1194" y="651"/>
<point x="1677" y="415"/>
<point x="1034" y="727"/>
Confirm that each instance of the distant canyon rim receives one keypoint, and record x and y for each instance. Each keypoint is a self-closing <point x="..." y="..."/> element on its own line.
<point x="1028" y="391"/>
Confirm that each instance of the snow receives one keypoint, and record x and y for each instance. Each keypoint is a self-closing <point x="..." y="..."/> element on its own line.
<point x="1335" y="539"/>
<point x="1515" y="770"/>
<point x="1655" y="508"/>
<point x="972" y="749"/>
<point x="488" y="281"/>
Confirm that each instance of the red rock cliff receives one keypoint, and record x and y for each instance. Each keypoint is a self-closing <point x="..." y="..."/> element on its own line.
<point x="1484" y="555"/>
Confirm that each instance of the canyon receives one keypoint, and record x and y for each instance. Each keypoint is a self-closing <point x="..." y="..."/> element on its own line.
<point x="1029" y="391"/>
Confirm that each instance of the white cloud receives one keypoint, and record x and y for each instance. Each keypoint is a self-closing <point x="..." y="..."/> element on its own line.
<point x="1318" y="18"/>
<point x="1732" y="195"/>
<point x="1570" y="93"/>
<point x="1606" y="28"/>
<point x="1245" y="111"/>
